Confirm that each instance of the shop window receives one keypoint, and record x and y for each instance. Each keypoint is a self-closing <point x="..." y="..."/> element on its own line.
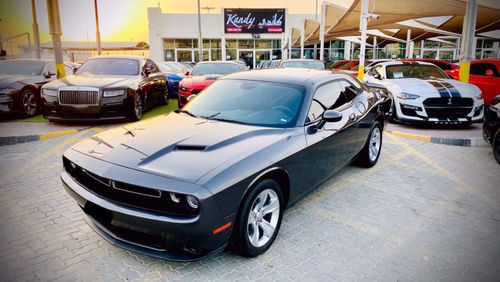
<point x="206" y="43"/>
<point x="169" y="55"/>
<point x="231" y="54"/>
<point x="276" y="44"/>
<point x="231" y="43"/>
<point x="263" y="44"/>
<point x="168" y="43"/>
<point x="215" y="43"/>
<point x="216" y="54"/>
<point x="245" y="44"/>
<point x="183" y="43"/>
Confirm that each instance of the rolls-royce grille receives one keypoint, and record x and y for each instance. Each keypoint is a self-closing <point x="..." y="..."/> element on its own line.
<point x="78" y="97"/>
<point x="455" y="107"/>
<point x="124" y="193"/>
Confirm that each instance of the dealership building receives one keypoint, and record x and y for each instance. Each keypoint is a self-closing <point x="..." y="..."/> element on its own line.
<point x="262" y="34"/>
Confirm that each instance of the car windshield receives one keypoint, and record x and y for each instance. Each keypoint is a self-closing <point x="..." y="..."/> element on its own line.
<point x="414" y="71"/>
<point x="109" y="66"/>
<point x="21" y="67"/>
<point x="166" y="68"/>
<point x="318" y="65"/>
<point x="174" y="66"/>
<point x="221" y="68"/>
<point x="249" y="102"/>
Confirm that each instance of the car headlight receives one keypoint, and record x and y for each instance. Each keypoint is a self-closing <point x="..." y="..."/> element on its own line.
<point x="113" y="93"/>
<point x="407" y="96"/>
<point x="49" y="92"/>
<point x="192" y="201"/>
<point x="183" y="88"/>
<point x="479" y="96"/>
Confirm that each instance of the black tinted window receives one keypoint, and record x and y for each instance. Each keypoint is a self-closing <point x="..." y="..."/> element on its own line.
<point x="481" y="68"/>
<point x="326" y="97"/>
<point x="109" y="66"/>
<point x="21" y="67"/>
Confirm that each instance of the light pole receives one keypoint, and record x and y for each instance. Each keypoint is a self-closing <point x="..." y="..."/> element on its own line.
<point x="363" y="25"/>
<point x="97" y="32"/>
<point x="200" y="43"/>
<point x="36" y="33"/>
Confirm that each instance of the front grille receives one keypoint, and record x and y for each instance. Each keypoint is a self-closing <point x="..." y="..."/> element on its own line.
<point x="455" y="107"/>
<point x="78" y="97"/>
<point x="127" y="194"/>
<point x="196" y="91"/>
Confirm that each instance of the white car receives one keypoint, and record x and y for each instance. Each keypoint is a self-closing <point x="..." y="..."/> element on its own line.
<point x="423" y="93"/>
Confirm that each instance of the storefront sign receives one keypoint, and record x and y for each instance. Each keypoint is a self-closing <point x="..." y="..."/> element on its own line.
<point x="254" y="21"/>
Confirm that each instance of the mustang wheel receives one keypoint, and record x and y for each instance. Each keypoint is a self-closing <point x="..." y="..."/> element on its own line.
<point x="28" y="104"/>
<point x="137" y="108"/>
<point x="259" y="219"/>
<point x="496" y="146"/>
<point x="370" y="153"/>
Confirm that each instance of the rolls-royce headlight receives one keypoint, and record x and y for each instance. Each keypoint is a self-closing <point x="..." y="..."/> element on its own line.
<point x="113" y="93"/>
<point x="49" y="92"/>
<point x="407" y="96"/>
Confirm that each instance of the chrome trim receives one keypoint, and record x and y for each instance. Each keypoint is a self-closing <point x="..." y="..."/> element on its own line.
<point x="96" y="179"/>
<point x="76" y="89"/>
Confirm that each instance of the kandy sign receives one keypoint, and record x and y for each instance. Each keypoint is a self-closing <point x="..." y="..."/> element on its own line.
<point x="254" y="21"/>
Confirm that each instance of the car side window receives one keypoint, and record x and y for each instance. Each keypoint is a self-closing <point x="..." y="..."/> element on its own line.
<point x="51" y="67"/>
<point x="481" y="68"/>
<point x="326" y="97"/>
<point x="151" y="65"/>
<point x="348" y="90"/>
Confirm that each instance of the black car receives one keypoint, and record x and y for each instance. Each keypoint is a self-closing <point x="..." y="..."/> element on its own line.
<point x="106" y="88"/>
<point x="20" y="83"/>
<point x="491" y="126"/>
<point x="302" y="63"/>
<point x="224" y="168"/>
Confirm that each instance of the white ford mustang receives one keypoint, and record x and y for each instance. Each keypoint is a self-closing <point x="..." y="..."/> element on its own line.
<point x="423" y="93"/>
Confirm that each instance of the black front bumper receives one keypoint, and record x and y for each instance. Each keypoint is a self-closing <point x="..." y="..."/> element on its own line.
<point x="148" y="233"/>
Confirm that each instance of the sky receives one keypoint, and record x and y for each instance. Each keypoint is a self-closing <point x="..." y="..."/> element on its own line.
<point x="120" y="20"/>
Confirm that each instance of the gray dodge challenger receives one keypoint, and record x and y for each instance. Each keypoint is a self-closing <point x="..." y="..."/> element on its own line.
<point x="220" y="172"/>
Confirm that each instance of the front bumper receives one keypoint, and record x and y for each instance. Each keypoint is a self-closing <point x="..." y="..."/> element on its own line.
<point x="8" y="102"/>
<point x="417" y="112"/>
<point x="147" y="232"/>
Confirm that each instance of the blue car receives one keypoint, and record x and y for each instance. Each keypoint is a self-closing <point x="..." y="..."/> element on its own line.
<point x="173" y="77"/>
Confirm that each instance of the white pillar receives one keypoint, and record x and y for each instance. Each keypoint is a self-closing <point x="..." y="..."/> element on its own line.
<point x="347" y="50"/>
<point x="408" y="39"/>
<point x="422" y="43"/>
<point x="290" y="44"/>
<point x="302" y="35"/>
<point x="374" y="47"/>
<point x="468" y="38"/>
<point x="322" y="32"/>
<point x="223" y="47"/>
<point x="363" y="27"/>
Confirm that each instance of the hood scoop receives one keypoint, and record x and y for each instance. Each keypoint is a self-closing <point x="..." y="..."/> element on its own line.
<point x="190" y="148"/>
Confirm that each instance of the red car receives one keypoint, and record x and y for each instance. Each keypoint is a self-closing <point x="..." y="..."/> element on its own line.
<point x="485" y="75"/>
<point x="446" y="66"/>
<point x="204" y="74"/>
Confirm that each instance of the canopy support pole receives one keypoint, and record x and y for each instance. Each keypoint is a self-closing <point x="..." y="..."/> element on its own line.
<point x="302" y="34"/>
<point x="363" y="26"/>
<point x="408" y="39"/>
<point x="468" y="32"/>
<point x="290" y="44"/>
<point x="322" y="32"/>
<point x="374" y="47"/>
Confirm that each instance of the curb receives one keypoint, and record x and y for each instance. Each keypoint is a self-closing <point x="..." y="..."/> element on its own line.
<point x="464" y="142"/>
<point x="11" y="140"/>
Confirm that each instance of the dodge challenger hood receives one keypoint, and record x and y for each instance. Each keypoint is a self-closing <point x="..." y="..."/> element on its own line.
<point x="178" y="146"/>
<point x="92" y="81"/>
<point x="431" y="87"/>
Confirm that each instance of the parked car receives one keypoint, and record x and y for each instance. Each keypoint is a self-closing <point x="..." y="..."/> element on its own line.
<point x="423" y="93"/>
<point x="105" y="88"/>
<point x="173" y="77"/>
<point x="485" y="75"/>
<point x="274" y="64"/>
<point x="20" y="83"/>
<point x="263" y="64"/>
<point x="336" y="64"/>
<point x="204" y="74"/>
<point x="302" y="63"/>
<point x="491" y="126"/>
<point x="224" y="168"/>
<point x="446" y="66"/>
<point x="178" y="66"/>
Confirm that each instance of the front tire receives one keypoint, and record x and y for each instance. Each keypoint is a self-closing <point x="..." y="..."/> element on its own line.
<point x="136" y="108"/>
<point x="28" y="105"/>
<point x="165" y="98"/>
<point x="496" y="146"/>
<point x="370" y="153"/>
<point x="259" y="219"/>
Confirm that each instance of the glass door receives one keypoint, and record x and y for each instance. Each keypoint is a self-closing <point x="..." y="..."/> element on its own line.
<point x="262" y="55"/>
<point x="206" y="55"/>
<point x="184" y="55"/>
<point x="247" y="56"/>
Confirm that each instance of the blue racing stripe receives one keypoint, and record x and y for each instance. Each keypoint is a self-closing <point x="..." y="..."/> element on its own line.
<point x="440" y="88"/>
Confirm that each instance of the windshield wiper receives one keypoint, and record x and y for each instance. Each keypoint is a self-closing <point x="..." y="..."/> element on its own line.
<point x="226" y="120"/>
<point x="186" y="112"/>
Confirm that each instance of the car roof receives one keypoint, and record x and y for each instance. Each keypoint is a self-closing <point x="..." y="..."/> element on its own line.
<point x="301" y="60"/>
<point x="220" y="62"/>
<point x="397" y="63"/>
<point x="118" y="57"/>
<point x="31" y="60"/>
<point x="289" y="76"/>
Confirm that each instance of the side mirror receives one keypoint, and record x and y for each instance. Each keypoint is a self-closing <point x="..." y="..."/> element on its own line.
<point x="376" y="75"/>
<point x="74" y="70"/>
<point x="187" y="73"/>
<point x="191" y="97"/>
<point x="147" y="72"/>
<point x="489" y="72"/>
<point x="328" y="116"/>
<point x="49" y="74"/>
